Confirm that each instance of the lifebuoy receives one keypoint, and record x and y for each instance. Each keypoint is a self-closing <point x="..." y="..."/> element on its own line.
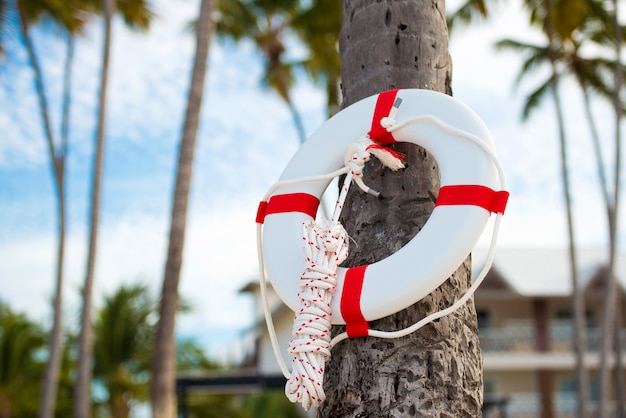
<point x="467" y="197"/>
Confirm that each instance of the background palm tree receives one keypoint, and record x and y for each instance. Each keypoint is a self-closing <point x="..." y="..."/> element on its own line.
<point x="267" y="23"/>
<point x="163" y="395"/>
<point x="136" y="14"/>
<point x="611" y="29"/>
<point x="318" y="28"/>
<point x="578" y="24"/>
<point x="383" y="46"/>
<point x="20" y="341"/>
<point x="577" y="27"/>
<point x="536" y="55"/>
<point x="82" y="387"/>
<point x="70" y="19"/>
<point x="123" y="346"/>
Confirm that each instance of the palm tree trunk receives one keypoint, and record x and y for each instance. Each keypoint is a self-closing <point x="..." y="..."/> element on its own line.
<point x="619" y="82"/>
<point x="297" y="120"/>
<point x="163" y="396"/>
<point x="436" y="371"/>
<point x="620" y="386"/>
<point x="611" y="227"/>
<point x="610" y="294"/>
<point x="51" y="374"/>
<point x="82" y="386"/>
<point x="577" y="293"/>
<point x="608" y="320"/>
<point x="67" y="96"/>
<point x="53" y="366"/>
<point x="581" y="338"/>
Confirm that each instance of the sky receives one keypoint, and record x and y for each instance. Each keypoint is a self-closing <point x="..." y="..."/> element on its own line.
<point x="246" y="137"/>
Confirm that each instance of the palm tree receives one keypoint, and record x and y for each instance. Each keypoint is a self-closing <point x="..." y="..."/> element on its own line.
<point x="417" y="374"/>
<point x="577" y="294"/>
<point x="124" y="332"/>
<point x="82" y="387"/>
<point x="611" y="32"/>
<point x="70" y="19"/>
<point x="163" y="396"/>
<point x="20" y="341"/>
<point x="584" y="27"/>
<point x="318" y="27"/>
<point x="535" y="56"/>
<point x="618" y="37"/>
<point x="266" y="23"/>
<point x="123" y="341"/>
<point x="136" y="14"/>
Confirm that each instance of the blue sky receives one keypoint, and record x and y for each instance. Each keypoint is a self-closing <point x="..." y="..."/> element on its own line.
<point x="246" y="137"/>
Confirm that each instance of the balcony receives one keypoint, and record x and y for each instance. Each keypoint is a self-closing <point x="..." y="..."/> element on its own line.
<point x="526" y="405"/>
<point x="519" y="336"/>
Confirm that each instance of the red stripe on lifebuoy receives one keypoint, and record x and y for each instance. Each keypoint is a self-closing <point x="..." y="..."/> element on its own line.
<point x="291" y="202"/>
<point x="356" y="325"/>
<point x="473" y="194"/>
<point x="384" y="103"/>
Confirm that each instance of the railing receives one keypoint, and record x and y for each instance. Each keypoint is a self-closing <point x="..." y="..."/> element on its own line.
<point x="519" y="336"/>
<point x="526" y="405"/>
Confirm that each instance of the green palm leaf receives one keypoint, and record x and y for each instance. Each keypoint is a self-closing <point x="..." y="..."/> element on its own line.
<point x="534" y="99"/>
<point x="467" y="13"/>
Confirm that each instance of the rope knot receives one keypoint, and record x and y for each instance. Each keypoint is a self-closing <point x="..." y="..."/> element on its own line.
<point x="356" y="156"/>
<point x="361" y="151"/>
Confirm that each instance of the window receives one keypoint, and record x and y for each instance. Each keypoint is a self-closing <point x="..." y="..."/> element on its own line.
<point x="483" y="319"/>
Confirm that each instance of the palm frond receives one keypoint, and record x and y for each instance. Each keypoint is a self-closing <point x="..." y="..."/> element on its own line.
<point x="534" y="100"/>
<point x="518" y="46"/>
<point x="536" y="56"/>
<point x="137" y="14"/>
<point x="597" y="75"/>
<point x="4" y="24"/>
<point x="280" y="78"/>
<point x="235" y="20"/>
<point x="467" y="13"/>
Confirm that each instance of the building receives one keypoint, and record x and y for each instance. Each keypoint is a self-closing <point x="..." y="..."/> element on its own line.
<point x="525" y="328"/>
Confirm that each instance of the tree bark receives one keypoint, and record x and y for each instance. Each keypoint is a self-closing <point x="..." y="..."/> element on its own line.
<point x="163" y="394"/>
<point x="436" y="371"/>
<point x="609" y="307"/>
<point x="82" y="386"/>
<point x="577" y="295"/>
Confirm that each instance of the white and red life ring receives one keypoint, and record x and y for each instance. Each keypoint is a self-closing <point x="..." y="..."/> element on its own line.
<point x="469" y="179"/>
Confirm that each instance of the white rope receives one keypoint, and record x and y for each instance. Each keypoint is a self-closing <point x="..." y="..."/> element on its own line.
<point x="326" y="247"/>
